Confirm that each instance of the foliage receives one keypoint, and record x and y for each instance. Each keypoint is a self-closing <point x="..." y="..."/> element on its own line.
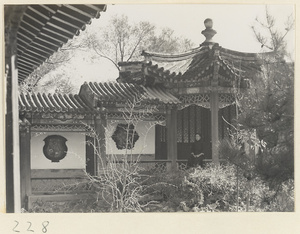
<point x="170" y="190"/>
<point x="209" y="189"/>
<point x="219" y="188"/>
<point x="268" y="106"/>
<point x="215" y="189"/>
<point x="268" y="34"/>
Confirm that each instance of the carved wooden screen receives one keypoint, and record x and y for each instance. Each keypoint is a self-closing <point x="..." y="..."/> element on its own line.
<point x="191" y="120"/>
<point x="160" y="142"/>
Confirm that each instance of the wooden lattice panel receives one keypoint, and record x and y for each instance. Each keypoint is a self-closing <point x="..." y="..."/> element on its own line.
<point x="182" y="166"/>
<point x="198" y="99"/>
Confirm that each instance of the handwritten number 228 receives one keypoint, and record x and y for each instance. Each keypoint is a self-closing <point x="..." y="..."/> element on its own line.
<point x="44" y="229"/>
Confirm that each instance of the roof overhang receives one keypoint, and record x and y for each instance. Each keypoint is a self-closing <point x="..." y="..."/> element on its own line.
<point x="35" y="32"/>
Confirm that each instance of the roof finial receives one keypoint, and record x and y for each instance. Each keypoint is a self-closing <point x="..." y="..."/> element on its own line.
<point x="208" y="32"/>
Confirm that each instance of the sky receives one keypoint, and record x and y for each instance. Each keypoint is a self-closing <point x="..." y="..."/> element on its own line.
<point x="232" y="23"/>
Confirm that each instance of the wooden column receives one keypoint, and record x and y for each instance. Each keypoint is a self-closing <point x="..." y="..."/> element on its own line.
<point x="9" y="169"/>
<point x="171" y="124"/>
<point x="214" y="107"/>
<point x="100" y="126"/>
<point x="25" y="167"/>
<point x="16" y="143"/>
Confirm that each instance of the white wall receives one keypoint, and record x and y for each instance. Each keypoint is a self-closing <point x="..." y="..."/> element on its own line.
<point x="144" y="145"/>
<point x="75" y="158"/>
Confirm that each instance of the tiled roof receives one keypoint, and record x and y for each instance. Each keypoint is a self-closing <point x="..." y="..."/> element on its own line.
<point x="106" y="93"/>
<point x="199" y="63"/>
<point x="42" y="29"/>
<point x="174" y="63"/>
<point x="31" y="102"/>
<point x="121" y="92"/>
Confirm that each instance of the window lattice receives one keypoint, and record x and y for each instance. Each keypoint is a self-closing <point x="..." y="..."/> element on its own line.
<point x="118" y="115"/>
<point x="192" y="123"/>
<point x="60" y="127"/>
<point x="186" y="125"/>
<point x="179" y="126"/>
<point x="198" y="116"/>
<point x="163" y="134"/>
<point x="195" y="98"/>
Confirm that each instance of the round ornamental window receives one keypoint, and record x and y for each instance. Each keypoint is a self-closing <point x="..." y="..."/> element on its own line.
<point x="55" y="148"/>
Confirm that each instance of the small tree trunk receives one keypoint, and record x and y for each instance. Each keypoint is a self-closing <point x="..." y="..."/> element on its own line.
<point x="248" y="200"/>
<point x="237" y="189"/>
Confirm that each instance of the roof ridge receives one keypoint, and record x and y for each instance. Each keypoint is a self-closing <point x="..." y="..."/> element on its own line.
<point x="173" y="57"/>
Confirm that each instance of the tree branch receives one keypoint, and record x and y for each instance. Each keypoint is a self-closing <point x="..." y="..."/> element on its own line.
<point x="106" y="57"/>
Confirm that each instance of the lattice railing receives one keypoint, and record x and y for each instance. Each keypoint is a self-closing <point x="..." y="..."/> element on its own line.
<point x="161" y="166"/>
<point x="182" y="166"/>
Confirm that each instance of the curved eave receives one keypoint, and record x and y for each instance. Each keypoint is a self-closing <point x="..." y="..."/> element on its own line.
<point x="43" y="29"/>
<point x="53" y="103"/>
<point x="242" y="56"/>
<point x="160" y="57"/>
<point x="110" y="93"/>
<point x="201" y="66"/>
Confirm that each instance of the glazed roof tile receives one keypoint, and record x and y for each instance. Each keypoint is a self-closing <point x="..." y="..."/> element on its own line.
<point x="42" y="29"/>
<point x="201" y="59"/>
<point x="121" y="92"/>
<point x="41" y="103"/>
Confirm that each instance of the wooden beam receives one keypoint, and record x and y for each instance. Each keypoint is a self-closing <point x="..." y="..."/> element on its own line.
<point x="214" y="106"/>
<point x="29" y="60"/>
<point x="78" y="9"/>
<point x="22" y="73"/>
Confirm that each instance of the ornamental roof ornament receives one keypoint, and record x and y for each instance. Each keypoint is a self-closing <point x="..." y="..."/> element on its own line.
<point x="209" y="33"/>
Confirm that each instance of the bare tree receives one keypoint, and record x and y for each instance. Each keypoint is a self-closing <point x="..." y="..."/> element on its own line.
<point x="122" y="41"/>
<point x="121" y="182"/>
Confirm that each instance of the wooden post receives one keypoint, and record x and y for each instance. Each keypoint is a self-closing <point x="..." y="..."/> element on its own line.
<point x="25" y="167"/>
<point x="171" y="124"/>
<point x="9" y="169"/>
<point x="16" y="145"/>
<point x="214" y="106"/>
<point x="100" y="125"/>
